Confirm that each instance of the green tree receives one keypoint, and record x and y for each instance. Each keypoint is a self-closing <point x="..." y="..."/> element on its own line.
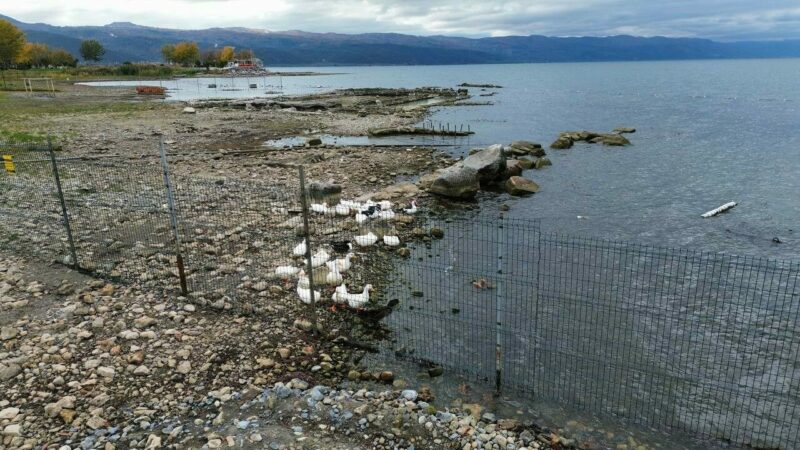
<point x="92" y="50"/>
<point x="168" y="52"/>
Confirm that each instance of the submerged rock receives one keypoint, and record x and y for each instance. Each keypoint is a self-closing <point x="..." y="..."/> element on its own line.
<point x="521" y="186"/>
<point x="621" y="130"/>
<point x="542" y="162"/>
<point x="521" y="148"/>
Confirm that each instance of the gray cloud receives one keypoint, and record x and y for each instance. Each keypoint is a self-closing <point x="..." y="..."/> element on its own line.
<point x="717" y="19"/>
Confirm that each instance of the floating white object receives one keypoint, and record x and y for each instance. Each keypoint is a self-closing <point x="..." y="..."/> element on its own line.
<point x="721" y="209"/>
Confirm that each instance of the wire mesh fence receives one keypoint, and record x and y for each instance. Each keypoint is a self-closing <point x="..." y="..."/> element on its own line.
<point x="666" y="337"/>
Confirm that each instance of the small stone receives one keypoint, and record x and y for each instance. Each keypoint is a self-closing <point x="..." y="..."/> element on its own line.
<point x="9" y="413"/>
<point x="12" y="430"/>
<point x="353" y="375"/>
<point x="437" y="232"/>
<point x="8" y="333"/>
<point x="435" y="372"/>
<point x="67" y="415"/>
<point x="105" y="372"/>
<point x="409" y="395"/>
<point x="189" y="110"/>
<point x="386" y="376"/>
<point x="284" y="352"/>
<point x="184" y="367"/>
<point x="141" y="371"/>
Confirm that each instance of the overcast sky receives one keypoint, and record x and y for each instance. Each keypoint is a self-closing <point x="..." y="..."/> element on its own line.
<point x="717" y="19"/>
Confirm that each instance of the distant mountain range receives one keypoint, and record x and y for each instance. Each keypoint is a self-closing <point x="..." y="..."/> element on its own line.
<point x="125" y="41"/>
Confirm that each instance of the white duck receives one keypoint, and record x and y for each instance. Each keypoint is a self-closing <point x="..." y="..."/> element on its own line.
<point x="300" y="249"/>
<point x="334" y="277"/>
<point x="319" y="208"/>
<point x="366" y="240"/>
<point x="352" y="205"/>
<point x="302" y="280"/>
<point x="391" y="241"/>
<point x="385" y="214"/>
<point x="342" y="210"/>
<point x="320" y="258"/>
<point x="356" y="301"/>
<point x="413" y="209"/>
<point x="340" y="295"/>
<point x="343" y="264"/>
<point x="286" y="271"/>
<point x="305" y="295"/>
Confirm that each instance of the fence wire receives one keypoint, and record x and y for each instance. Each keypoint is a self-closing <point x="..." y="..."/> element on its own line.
<point x="673" y="338"/>
<point x="665" y="337"/>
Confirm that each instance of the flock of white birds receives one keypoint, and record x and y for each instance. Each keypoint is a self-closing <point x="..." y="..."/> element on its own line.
<point x="362" y="212"/>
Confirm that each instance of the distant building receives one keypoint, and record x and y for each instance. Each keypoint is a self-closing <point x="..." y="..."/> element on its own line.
<point x="245" y="64"/>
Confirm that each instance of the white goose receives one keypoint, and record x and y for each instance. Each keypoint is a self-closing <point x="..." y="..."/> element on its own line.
<point x="343" y="264"/>
<point x="366" y="240"/>
<point x="391" y="241"/>
<point x="356" y="301"/>
<point x="286" y="271"/>
<point x="305" y="295"/>
<point x="334" y="277"/>
<point x="320" y="258"/>
<point x="300" y="249"/>
<point x="413" y="209"/>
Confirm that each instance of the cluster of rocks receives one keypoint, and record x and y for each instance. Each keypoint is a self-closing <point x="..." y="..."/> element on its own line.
<point x="490" y="167"/>
<point x="295" y="415"/>
<point x="567" y="139"/>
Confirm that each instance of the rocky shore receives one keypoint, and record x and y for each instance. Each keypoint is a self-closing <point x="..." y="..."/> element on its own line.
<point x="85" y="363"/>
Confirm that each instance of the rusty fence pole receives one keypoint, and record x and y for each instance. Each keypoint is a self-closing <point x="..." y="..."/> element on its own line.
<point x="64" y="212"/>
<point x="173" y="217"/>
<point x="307" y="237"/>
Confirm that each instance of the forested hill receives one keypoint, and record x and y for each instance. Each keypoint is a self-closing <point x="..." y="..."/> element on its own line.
<point x="129" y="42"/>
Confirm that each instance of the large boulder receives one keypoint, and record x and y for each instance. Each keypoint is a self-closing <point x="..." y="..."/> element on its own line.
<point x="457" y="181"/>
<point x="542" y="162"/>
<point x="514" y="167"/>
<point x="521" y="186"/>
<point x="490" y="163"/>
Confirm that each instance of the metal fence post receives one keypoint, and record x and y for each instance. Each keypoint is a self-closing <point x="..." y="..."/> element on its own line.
<point x="64" y="212"/>
<point x="173" y="219"/>
<point x="499" y="317"/>
<point x="307" y="237"/>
